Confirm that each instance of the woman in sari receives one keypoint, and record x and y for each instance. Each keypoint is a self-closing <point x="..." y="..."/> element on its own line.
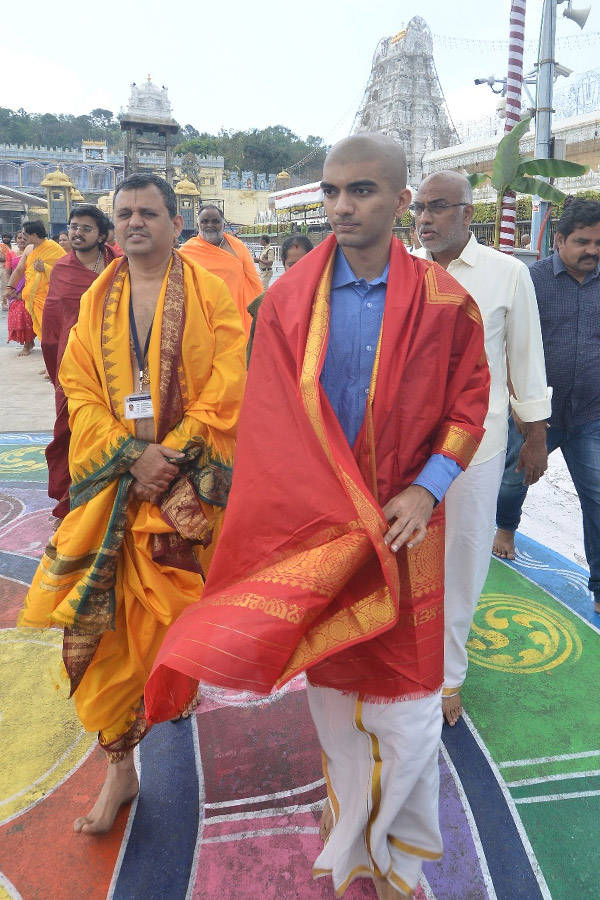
<point x="20" y="323"/>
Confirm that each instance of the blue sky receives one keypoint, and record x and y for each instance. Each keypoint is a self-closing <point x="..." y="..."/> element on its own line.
<point x="300" y="64"/>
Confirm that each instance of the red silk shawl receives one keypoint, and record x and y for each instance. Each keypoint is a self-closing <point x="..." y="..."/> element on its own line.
<point x="69" y="280"/>
<point x="301" y="578"/>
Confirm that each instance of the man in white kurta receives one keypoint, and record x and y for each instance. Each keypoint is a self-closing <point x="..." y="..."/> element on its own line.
<point x="503" y="290"/>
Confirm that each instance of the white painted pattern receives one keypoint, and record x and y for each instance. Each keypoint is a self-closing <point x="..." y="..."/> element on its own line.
<point x="510" y="804"/>
<point x="487" y="878"/>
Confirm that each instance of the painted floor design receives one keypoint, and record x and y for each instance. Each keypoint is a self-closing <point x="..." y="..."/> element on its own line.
<point x="230" y="800"/>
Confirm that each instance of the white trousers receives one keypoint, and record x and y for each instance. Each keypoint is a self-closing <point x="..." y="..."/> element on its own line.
<point x="470" y="524"/>
<point x="381" y="766"/>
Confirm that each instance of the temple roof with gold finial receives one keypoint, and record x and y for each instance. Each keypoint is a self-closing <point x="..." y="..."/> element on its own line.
<point x="56" y="179"/>
<point x="185" y="186"/>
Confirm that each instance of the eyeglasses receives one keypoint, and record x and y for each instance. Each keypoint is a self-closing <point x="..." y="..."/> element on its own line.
<point x="86" y="229"/>
<point x="436" y="207"/>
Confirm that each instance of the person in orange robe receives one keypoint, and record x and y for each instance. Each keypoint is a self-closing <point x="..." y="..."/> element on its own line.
<point x="151" y="451"/>
<point x="70" y="278"/>
<point x="36" y="264"/>
<point x="226" y="256"/>
<point x="331" y="559"/>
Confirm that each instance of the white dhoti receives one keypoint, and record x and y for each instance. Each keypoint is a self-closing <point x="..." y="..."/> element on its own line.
<point x="381" y="766"/>
<point x="470" y="525"/>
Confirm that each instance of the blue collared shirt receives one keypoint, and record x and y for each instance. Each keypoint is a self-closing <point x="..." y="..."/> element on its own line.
<point x="570" y="320"/>
<point x="356" y="313"/>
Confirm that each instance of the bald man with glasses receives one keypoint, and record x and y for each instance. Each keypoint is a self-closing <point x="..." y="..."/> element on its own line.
<point x="503" y="290"/>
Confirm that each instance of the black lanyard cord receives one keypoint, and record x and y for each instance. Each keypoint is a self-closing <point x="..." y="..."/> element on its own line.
<point x="136" y="341"/>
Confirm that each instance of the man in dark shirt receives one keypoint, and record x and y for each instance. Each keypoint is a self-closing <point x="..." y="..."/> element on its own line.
<point x="567" y="286"/>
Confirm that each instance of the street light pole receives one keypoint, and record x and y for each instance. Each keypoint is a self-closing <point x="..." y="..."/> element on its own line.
<point x="543" y="114"/>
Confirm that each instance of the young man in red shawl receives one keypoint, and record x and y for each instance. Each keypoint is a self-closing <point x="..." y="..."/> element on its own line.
<point x="70" y="278"/>
<point x="366" y="397"/>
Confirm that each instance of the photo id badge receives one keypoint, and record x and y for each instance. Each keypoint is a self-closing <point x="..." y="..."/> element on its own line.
<point x="139" y="406"/>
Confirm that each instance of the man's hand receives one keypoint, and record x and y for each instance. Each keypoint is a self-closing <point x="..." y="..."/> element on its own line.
<point x="143" y="493"/>
<point x="409" y="512"/>
<point x="521" y="426"/>
<point x="533" y="458"/>
<point x="152" y="469"/>
<point x="39" y="266"/>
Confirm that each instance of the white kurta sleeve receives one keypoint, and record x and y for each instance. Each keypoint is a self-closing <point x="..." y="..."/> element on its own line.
<point x="525" y="352"/>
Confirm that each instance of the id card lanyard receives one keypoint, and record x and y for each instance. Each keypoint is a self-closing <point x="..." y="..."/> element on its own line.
<point x="144" y="377"/>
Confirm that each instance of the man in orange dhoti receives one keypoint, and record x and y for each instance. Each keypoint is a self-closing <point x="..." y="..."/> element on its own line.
<point x="366" y="397"/>
<point x="226" y="256"/>
<point x="36" y="264"/>
<point x="152" y="440"/>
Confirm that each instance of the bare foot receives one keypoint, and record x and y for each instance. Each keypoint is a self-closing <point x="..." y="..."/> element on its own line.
<point x="326" y="823"/>
<point x="452" y="708"/>
<point x="24" y="352"/>
<point x="121" y="786"/>
<point x="597" y="606"/>
<point x="387" y="891"/>
<point x="42" y="372"/>
<point x="504" y="544"/>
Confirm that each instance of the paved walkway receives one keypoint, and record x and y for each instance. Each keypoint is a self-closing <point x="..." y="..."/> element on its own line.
<point x="27" y="400"/>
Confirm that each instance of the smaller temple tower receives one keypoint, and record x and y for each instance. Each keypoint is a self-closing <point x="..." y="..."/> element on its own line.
<point x="59" y="190"/>
<point x="188" y="202"/>
<point x="151" y="131"/>
<point x="403" y="97"/>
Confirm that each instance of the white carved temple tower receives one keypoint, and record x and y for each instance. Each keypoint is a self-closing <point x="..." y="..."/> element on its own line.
<point x="403" y="97"/>
<point x="151" y="131"/>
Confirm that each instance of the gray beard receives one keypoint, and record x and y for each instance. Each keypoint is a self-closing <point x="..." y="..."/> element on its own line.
<point x="213" y="238"/>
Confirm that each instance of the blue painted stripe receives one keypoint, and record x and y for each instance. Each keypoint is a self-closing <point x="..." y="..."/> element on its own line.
<point x="19" y="568"/>
<point x="556" y="574"/>
<point x="160" y="851"/>
<point x="507" y="859"/>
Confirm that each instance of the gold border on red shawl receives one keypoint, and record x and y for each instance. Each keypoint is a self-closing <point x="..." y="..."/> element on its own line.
<point x="426" y="564"/>
<point x="315" y="341"/>
<point x="458" y="441"/>
<point x="309" y="389"/>
<point x="323" y="569"/>
<point x="435" y="295"/>
<point x="370" y="450"/>
<point x="366" y="618"/>
<point x="270" y="606"/>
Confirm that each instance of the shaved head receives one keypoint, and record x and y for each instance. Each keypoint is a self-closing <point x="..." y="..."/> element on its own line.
<point x="372" y="148"/>
<point x="457" y="184"/>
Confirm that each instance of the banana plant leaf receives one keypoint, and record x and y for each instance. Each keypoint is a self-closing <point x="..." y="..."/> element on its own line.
<point x="525" y="185"/>
<point x="507" y="161"/>
<point x="551" y="168"/>
<point x="477" y="178"/>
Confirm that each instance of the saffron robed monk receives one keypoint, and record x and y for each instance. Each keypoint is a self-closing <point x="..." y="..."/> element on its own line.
<point x="226" y="256"/>
<point x="366" y="397"/>
<point x="151" y="450"/>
